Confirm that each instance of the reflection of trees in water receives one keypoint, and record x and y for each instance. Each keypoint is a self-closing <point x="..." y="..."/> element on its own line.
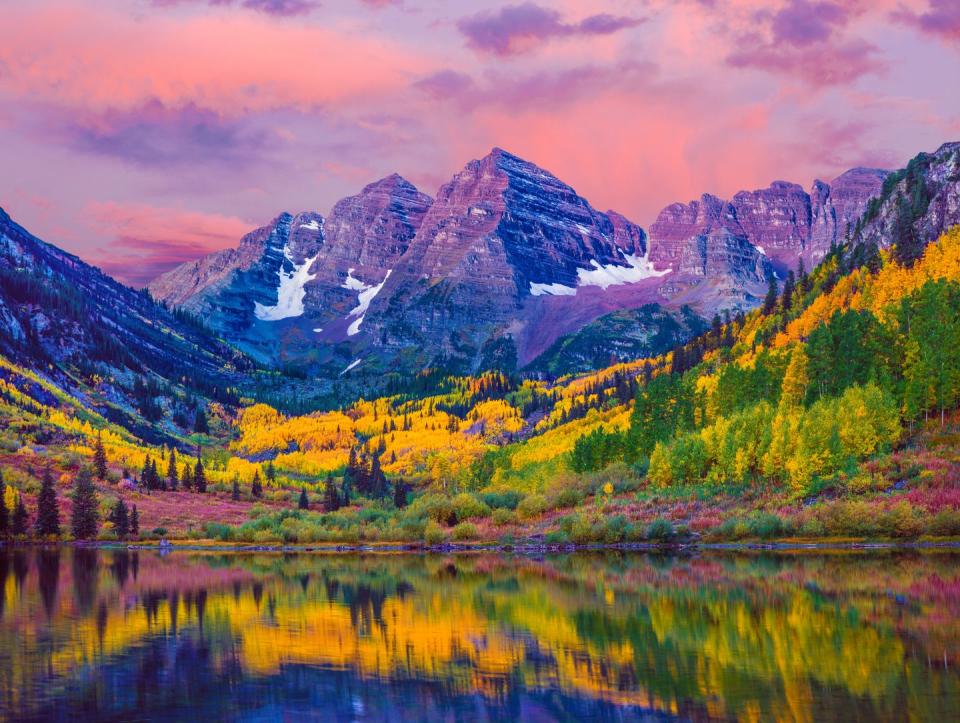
<point x="85" y="577"/>
<point x="48" y="572"/>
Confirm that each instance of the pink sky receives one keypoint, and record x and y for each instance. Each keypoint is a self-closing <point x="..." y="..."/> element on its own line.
<point x="141" y="133"/>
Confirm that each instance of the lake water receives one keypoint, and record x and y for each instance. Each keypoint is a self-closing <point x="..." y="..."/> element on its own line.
<point x="123" y="635"/>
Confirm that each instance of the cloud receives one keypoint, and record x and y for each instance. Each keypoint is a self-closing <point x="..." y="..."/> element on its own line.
<point x="155" y="135"/>
<point x="280" y="8"/>
<point x="145" y="241"/>
<point x="805" y="39"/>
<point x="941" y="19"/>
<point x="517" y="29"/>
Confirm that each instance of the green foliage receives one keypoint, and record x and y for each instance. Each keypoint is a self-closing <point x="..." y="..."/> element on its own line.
<point x="502" y="498"/>
<point x="660" y="530"/>
<point x="434" y="534"/>
<point x="532" y="506"/>
<point x="48" y="514"/>
<point x="85" y="516"/>
<point x="466" y="506"/>
<point x="465" y="531"/>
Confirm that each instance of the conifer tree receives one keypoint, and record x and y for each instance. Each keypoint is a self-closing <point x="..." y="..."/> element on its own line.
<point x="303" y="503"/>
<point x="172" y="477"/>
<point x="331" y="499"/>
<point x="770" y="301"/>
<point x="399" y="494"/>
<point x="200" y="425"/>
<point x="186" y="477"/>
<point x="18" y="526"/>
<point x="199" y="476"/>
<point x="120" y="519"/>
<point x="235" y="494"/>
<point x="134" y="522"/>
<point x="85" y="517"/>
<point x="271" y="473"/>
<point x="100" y="458"/>
<point x="4" y="512"/>
<point x="48" y="516"/>
<point x="256" y="487"/>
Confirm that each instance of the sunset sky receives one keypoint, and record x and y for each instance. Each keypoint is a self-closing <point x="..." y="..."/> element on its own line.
<point x="141" y="133"/>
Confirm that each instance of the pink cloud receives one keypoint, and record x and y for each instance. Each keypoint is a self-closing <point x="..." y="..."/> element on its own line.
<point x="940" y="18"/>
<point x="516" y="29"/>
<point x="281" y="8"/>
<point x="145" y="241"/>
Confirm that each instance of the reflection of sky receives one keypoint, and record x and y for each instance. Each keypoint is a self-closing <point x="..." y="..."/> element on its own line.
<point x="139" y="133"/>
<point x="717" y="635"/>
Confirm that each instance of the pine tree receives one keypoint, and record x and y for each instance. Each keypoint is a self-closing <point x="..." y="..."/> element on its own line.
<point x="786" y="301"/>
<point x="48" y="516"/>
<point x="172" y="477"/>
<point x="186" y="477"/>
<point x="235" y="494"/>
<point x="770" y="301"/>
<point x="271" y="472"/>
<point x="345" y="493"/>
<point x="85" y="518"/>
<point x="399" y="494"/>
<point x="4" y="512"/>
<point x="303" y="503"/>
<point x="331" y="499"/>
<point x="200" y="425"/>
<point x="134" y="522"/>
<point x="199" y="476"/>
<point x="100" y="458"/>
<point x="18" y="526"/>
<point x="120" y="519"/>
<point x="256" y="487"/>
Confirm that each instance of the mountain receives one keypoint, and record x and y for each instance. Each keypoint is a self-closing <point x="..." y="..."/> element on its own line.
<point x="508" y="259"/>
<point x="114" y="348"/>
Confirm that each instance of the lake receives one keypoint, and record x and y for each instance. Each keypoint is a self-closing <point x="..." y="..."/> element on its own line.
<point x="89" y="634"/>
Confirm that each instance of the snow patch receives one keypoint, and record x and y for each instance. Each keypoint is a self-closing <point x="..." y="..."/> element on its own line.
<point x="583" y="229"/>
<point x="639" y="268"/>
<point x="318" y="330"/>
<point x="551" y="290"/>
<point x="290" y="292"/>
<point x="350" y="366"/>
<point x="312" y="225"/>
<point x="366" y="294"/>
<point x="760" y="249"/>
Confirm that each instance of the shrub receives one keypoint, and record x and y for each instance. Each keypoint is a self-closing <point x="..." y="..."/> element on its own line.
<point x="765" y="525"/>
<point x="556" y="537"/>
<point x="465" y="531"/>
<point x="466" y="506"/>
<point x="660" y="529"/>
<point x="438" y="508"/>
<point x="902" y="520"/>
<point x="946" y="523"/>
<point x="218" y="531"/>
<point x="433" y="534"/>
<point x="159" y="531"/>
<point x="532" y="506"/>
<point x="503" y="516"/>
<point x="502" y="499"/>
<point x="566" y="496"/>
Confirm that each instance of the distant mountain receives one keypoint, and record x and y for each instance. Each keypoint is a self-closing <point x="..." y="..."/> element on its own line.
<point x="507" y="260"/>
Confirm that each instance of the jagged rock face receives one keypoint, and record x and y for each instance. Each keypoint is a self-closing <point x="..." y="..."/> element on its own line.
<point x="501" y="232"/>
<point x="930" y="184"/>
<point x="782" y="222"/>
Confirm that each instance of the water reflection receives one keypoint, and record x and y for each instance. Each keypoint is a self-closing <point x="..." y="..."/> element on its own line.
<point x="122" y="634"/>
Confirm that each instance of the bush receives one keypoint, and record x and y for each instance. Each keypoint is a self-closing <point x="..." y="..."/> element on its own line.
<point x="556" y="537"/>
<point x="438" y="508"/>
<point x="566" y="496"/>
<point x="218" y="531"/>
<point x="503" y="516"/>
<point x="505" y="499"/>
<point x="465" y="531"/>
<point x="765" y="525"/>
<point x="532" y="506"/>
<point x="660" y="529"/>
<point x="946" y="523"/>
<point x="433" y="534"/>
<point x="159" y="532"/>
<point x="466" y="506"/>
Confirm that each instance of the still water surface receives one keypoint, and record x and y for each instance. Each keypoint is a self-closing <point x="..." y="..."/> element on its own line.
<point x="123" y="635"/>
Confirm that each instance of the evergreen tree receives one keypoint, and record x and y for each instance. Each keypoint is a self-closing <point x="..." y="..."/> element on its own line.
<point x="908" y="246"/>
<point x="4" y="512"/>
<point x="173" y="479"/>
<point x="100" y="458"/>
<point x="200" y="425"/>
<point x="134" y="522"/>
<point x="256" y="487"/>
<point x="120" y="519"/>
<point x="345" y="493"/>
<point x="786" y="300"/>
<point x="186" y="477"/>
<point x="271" y="473"/>
<point x="199" y="476"/>
<point x="18" y="525"/>
<point x="303" y="503"/>
<point x="85" y="517"/>
<point x="770" y="301"/>
<point x="399" y="494"/>
<point x="235" y="494"/>
<point x="331" y="498"/>
<point x="48" y="516"/>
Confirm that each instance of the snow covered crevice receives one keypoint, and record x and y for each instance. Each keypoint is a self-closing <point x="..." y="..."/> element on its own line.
<point x="366" y="294"/>
<point x="350" y="366"/>
<point x="290" y="292"/>
<point x="639" y="268"/>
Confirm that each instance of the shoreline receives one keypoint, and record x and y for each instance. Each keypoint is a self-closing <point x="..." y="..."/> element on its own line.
<point x="529" y="548"/>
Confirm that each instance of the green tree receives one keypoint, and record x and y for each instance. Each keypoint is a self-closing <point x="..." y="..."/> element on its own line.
<point x="271" y="472"/>
<point x="304" y="502"/>
<point x="399" y="494"/>
<point x="18" y="526"/>
<point x="48" y="514"/>
<point x="797" y="378"/>
<point x="199" y="476"/>
<point x="235" y="493"/>
<point x="256" y="487"/>
<point x="331" y="498"/>
<point x="4" y="512"/>
<point x="85" y="518"/>
<point x="173" y="479"/>
<point x="100" y="458"/>
<point x="134" y="522"/>
<point x="200" y="425"/>
<point x="770" y="301"/>
<point x="120" y="519"/>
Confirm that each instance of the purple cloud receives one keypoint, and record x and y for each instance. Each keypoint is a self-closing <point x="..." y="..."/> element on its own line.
<point x="515" y="29"/>
<point x="801" y="22"/>
<point x="941" y="19"/>
<point x="280" y="8"/>
<point x="155" y="135"/>
<point x="445" y="84"/>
